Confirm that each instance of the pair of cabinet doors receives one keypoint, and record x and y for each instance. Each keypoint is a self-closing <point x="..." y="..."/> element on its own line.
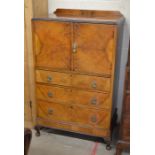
<point x="79" y="47"/>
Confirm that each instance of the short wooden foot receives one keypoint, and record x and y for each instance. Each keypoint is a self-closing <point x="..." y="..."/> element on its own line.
<point x="37" y="128"/>
<point x="108" y="147"/>
<point x="108" y="143"/>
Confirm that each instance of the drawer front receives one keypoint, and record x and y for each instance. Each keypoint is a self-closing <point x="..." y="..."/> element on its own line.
<point x="54" y="112"/>
<point x="91" y="82"/>
<point x="73" y="96"/>
<point x="53" y="94"/>
<point x="73" y="114"/>
<point x="94" y="99"/>
<point x="95" y="118"/>
<point x="53" y="77"/>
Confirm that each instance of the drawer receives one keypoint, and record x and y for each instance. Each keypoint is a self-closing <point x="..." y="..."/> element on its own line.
<point x="92" y="117"/>
<point x="89" y="98"/>
<point x="74" y="96"/>
<point x="54" y="112"/>
<point x="53" y="93"/>
<point x="91" y="82"/>
<point x="53" y="77"/>
<point x="73" y="114"/>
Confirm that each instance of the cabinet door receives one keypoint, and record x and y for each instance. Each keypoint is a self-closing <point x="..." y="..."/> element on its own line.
<point x="52" y="44"/>
<point x="93" y="48"/>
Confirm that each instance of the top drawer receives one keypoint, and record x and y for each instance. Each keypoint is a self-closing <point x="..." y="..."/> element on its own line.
<point x="74" y="80"/>
<point x="53" y="77"/>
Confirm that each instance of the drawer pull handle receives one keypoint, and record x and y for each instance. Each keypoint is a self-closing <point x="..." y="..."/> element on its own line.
<point x="50" y="111"/>
<point x="49" y="78"/>
<point x="93" y="119"/>
<point x="50" y="94"/>
<point x="94" y="85"/>
<point x="94" y="101"/>
<point x="74" y="48"/>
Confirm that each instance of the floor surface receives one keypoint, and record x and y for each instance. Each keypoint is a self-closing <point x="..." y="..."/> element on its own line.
<point x="54" y="144"/>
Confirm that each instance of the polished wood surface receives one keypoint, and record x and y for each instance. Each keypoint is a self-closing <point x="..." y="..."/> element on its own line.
<point x="74" y="128"/>
<point x="52" y="41"/>
<point x="94" y="54"/>
<point x="50" y="77"/>
<point x="91" y="82"/>
<point x="74" y="80"/>
<point x="74" y="68"/>
<point x="89" y="16"/>
<point x="73" y="114"/>
<point x="73" y="96"/>
<point x="54" y="94"/>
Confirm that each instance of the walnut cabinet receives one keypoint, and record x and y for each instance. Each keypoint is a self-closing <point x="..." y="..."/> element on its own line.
<point x="74" y="55"/>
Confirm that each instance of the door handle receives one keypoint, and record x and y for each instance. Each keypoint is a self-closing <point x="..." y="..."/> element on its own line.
<point x="74" y="48"/>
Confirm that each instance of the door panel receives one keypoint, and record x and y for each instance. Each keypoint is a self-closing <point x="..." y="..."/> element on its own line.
<point x="94" y="45"/>
<point x="52" y="44"/>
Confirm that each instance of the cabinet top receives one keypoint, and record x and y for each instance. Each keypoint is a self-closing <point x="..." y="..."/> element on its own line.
<point x="93" y="16"/>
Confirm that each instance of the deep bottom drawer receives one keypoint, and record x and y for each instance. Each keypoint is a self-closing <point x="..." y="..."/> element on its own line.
<point x="73" y="114"/>
<point x="74" y="128"/>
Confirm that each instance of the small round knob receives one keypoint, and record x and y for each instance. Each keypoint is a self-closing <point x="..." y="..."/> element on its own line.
<point x="50" y="94"/>
<point x="94" y="101"/>
<point x="50" y="111"/>
<point x="93" y="119"/>
<point x="49" y="78"/>
<point x="94" y="84"/>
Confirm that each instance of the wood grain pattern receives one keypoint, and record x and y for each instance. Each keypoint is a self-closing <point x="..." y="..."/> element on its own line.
<point x="92" y="99"/>
<point x="73" y="114"/>
<point x="94" y="54"/>
<point x="75" y="64"/>
<point x="92" y="14"/>
<point x="53" y="94"/>
<point x="74" y="128"/>
<point x="49" y="77"/>
<point x="91" y="82"/>
<point x="73" y="96"/>
<point x="85" y="16"/>
<point x="52" y="41"/>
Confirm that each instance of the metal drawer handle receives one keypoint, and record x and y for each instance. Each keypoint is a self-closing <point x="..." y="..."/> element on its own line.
<point x="50" y="94"/>
<point x="94" y="84"/>
<point x="74" y="48"/>
<point x="50" y="111"/>
<point x="94" y="101"/>
<point x="49" y="78"/>
<point x="93" y="119"/>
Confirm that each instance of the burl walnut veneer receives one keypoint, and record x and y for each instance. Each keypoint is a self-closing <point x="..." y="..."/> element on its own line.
<point x="75" y="53"/>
